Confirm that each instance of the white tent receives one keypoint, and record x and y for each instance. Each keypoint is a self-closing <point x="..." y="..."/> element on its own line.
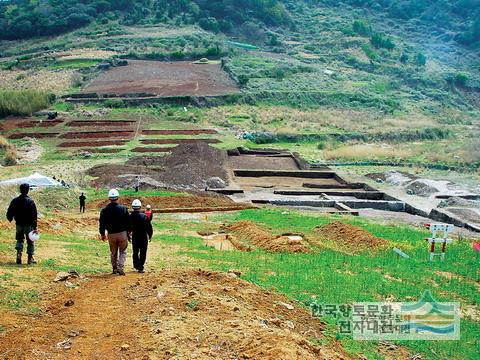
<point x="35" y="180"/>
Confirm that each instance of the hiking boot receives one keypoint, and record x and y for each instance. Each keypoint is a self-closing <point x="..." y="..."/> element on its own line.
<point x="31" y="260"/>
<point x="120" y="272"/>
<point x="141" y="271"/>
<point x="114" y="272"/>
<point x="19" y="258"/>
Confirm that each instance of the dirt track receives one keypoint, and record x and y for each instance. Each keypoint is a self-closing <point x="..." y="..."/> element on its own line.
<point x="172" y="314"/>
<point x="180" y="78"/>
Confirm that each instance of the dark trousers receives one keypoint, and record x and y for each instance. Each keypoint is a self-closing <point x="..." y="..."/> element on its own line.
<point x="82" y="208"/>
<point x="21" y="235"/>
<point x="139" y="252"/>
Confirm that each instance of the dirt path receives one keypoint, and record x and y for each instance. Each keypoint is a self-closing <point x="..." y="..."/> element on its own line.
<point x="174" y="314"/>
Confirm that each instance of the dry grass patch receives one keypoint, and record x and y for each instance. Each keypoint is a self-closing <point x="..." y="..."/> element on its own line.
<point x="56" y="81"/>
<point x="367" y="151"/>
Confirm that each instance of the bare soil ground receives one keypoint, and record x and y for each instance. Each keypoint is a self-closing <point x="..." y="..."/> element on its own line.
<point x="173" y="202"/>
<point x="249" y="183"/>
<point x="172" y="314"/>
<point x="350" y="237"/>
<point x="152" y="149"/>
<point x="98" y="134"/>
<point x="248" y="236"/>
<point x="181" y="78"/>
<point x="101" y="123"/>
<point x="180" y="132"/>
<point x="12" y="123"/>
<point x="178" y="141"/>
<point x="77" y="144"/>
<point x="35" y="135"/>
<point x="262" y="162"/>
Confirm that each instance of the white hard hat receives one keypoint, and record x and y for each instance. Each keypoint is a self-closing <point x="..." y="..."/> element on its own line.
<point x="149" y="207"/>
<point x="136" y="204"/>
<point x="113" y="194"/>
<point x="34" y="236"/>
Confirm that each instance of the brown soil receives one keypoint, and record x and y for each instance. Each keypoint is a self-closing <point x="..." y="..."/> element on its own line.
<point x="173" y="202"/>
<point x="100" y="123"/>
<point x="178" y="141"/>
<point x="186" y="167"/>
<point x="152" y="149"/>
<point x="262" y="162"/>
<point x="180" y="78"/>
<point x="36" y="123"/>
<point x="61" y="224"/>
<point x="33" y="135"/>
<point x="104" y="151"/>
<point x="97" y="134"/>
<point x="248" y="235"/>
<point x="350" y="237"/>
<point x="77" y="144"/>
<point x="172" y="314"/>
<point x="180" y="132"/>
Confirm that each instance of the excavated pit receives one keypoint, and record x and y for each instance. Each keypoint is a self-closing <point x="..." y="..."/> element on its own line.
<point x="98" y="134"/>
<point x="33" y="135"/>
<point x="180" y="132"/>
<point x="92" y="144"/>
<point x="178" y="141"/>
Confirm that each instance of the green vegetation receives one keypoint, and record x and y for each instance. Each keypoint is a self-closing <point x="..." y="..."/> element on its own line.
<point x="23" y="102"/>
<point x="29" y="19"/>
<point x="75" y="63"/>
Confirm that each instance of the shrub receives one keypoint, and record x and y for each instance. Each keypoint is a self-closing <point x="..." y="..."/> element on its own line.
<point x="23" y="102"/>
<point x="361" y="27"/>
<point x="114" y="103"/>
<point x="420" y="59"/>
<point x="10" y="157"/>
<point x="380" y="41"/>
<point x="461" y="79"/>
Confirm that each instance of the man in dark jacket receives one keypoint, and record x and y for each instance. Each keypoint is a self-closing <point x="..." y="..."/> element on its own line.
<point x="142" y="232"/>
<point x="115" y="220"/>
<point x="82" y="199"/>
<point x="24" y="211"/>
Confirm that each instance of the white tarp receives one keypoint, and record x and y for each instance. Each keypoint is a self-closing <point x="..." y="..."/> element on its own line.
<point x="34" y="180"/>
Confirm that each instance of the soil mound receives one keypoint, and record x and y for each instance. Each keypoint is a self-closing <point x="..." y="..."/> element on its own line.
<point x="186" y="167"/>
<point x="173" y="202"/>
<point x="392" y="177"/>
<point x="456" y="201"/>
<point x="61" y="225"/>
<point x="350" y="237"/>
<point x="172" y="314"/>
<point x="247" y="235"/>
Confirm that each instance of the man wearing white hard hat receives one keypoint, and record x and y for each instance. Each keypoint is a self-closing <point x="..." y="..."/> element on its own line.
<point x="24" y="211"/>
<point x="114" y="219"/>
<point x="142" y="232"/>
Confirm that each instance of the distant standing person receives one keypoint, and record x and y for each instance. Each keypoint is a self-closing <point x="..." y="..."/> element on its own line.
<point x="24" y="211"/>
<point x="82" y="199"/>
<point x="114" y="219"/>
<point x="149" y="213"/>
<point x="142" y="233"/>
<point x="137" y="184"/>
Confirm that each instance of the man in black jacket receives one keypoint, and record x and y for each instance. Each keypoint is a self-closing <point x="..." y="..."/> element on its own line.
<point x="142" y="232"/>
<point x="115" y="220"/>
<point x="24" y="211"/>
<point x="82" y="199"/>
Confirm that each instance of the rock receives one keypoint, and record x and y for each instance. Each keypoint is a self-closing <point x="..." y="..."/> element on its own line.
<point x="421" y="187"/>
<point x="237" y="273"/>
<point x="73" y="333"/>
<point x="125" y="347"/>
<point x="288" y="306"/>
<point x="160" y="295"/>
<point x="192" y="293"/>
<point x="216" y="183"/>
<point x="65" y="344"/>
<point x="236" y="308"/>
<point x="69" y="303"/>
<point x="61" y="276"/>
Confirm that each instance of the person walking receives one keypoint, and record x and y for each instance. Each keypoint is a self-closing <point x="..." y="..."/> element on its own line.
<point x="142" y="233"/>
<point x="82" y="198"/>
<point x="149" y="213"/>
<point x="24" y="211"/>
<point x="114" y="219"/>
